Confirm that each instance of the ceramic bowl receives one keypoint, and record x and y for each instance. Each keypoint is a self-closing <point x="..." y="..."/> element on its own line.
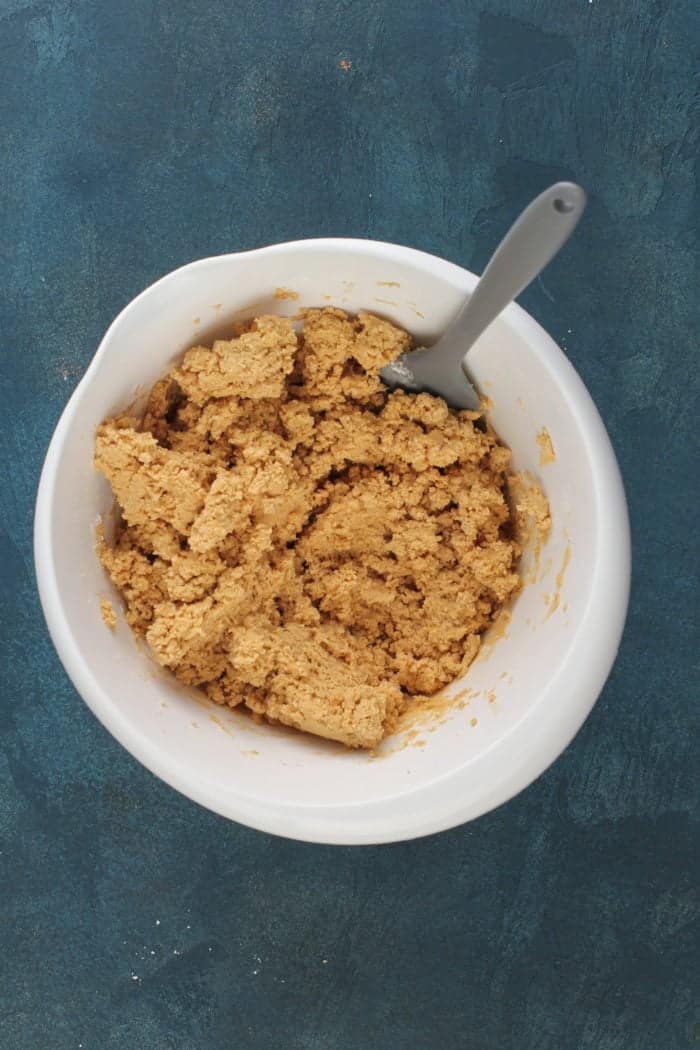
<point x="526" y="695"/>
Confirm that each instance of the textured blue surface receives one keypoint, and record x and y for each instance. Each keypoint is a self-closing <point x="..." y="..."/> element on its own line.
<point x="137" y="136"/>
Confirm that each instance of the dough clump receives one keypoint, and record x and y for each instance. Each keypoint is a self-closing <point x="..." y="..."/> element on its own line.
<point x="298" y="539"/>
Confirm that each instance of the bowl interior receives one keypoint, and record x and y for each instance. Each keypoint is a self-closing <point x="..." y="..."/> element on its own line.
<point x="462" y="758"/>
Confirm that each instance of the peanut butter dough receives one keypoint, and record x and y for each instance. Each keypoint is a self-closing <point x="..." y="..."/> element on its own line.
<point x="300" y="540"/>
<point x="109" y="617"/>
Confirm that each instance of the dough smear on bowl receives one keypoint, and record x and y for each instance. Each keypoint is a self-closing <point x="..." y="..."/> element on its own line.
<point x="300" y="540"/>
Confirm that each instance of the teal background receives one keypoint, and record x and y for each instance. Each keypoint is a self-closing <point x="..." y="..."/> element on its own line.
<point x="137" y="135"/>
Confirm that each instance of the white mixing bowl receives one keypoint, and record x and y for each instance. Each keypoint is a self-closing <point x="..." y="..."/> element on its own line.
<point x="529" y="692"/>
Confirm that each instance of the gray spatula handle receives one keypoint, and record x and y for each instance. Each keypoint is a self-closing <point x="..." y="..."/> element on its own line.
<point x="531" y="242"/>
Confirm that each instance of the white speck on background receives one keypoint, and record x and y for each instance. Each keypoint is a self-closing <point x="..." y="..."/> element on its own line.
<point x="157" y="922"/>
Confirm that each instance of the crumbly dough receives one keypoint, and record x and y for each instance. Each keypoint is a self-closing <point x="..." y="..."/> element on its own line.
<point x="544" y="442"/>
<point x="108" y="614"/>
<point x="300" y="540"/>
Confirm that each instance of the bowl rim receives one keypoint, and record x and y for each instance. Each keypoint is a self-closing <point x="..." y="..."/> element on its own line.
<point x="362" y="822"/>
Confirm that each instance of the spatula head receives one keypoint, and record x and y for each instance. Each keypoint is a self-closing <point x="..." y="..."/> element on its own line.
<point x="434" y="373"/>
